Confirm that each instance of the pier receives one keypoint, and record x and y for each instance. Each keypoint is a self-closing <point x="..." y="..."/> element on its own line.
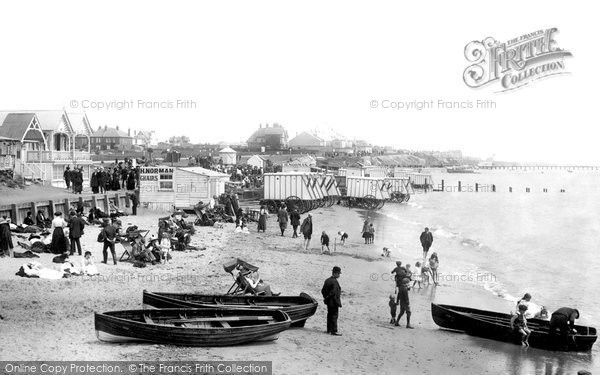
<point x="541" y="167"/>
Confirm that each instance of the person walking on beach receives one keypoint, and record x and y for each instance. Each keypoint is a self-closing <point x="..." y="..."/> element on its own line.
<point x="371" y="233"/>
<point x="282" y="218"/>
<point x="426" y="241"/>
<point x="306" y="229"/>
<point x="365" y="231"/>
<point x="324" y="242"/>
<point x="404" y="302"/>
<point x="67" y="177"/>
<point x="262" y="218"/>
<point x="76" y="225"/>
<point x="295" y="219"/>
<point x="332" y="297"/>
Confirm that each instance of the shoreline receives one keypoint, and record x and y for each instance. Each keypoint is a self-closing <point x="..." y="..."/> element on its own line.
<point x="53" y="319"/>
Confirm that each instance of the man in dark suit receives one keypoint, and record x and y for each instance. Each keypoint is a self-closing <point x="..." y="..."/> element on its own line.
<point x="76" y="225"/>
<point x="134" y="203"/>
<point x="426" y="241"/>
<point x="332" y="294"/>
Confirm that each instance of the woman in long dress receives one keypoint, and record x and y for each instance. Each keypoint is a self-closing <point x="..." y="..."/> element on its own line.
<point x="262" y="218"/>
<point x="6" y="244"/>
<point x="59" y="242"/>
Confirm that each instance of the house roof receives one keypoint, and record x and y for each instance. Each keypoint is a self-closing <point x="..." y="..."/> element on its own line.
<point x="306" y="138"/>
<point x="80" y="123"/>
<point x="110" y="132"/>
<point x="276" y="129"/>
<point x="204" y="172"/>
<point x="228" y="150"/>
<point x="53" y="120"/>
<point x="16" y="125"/>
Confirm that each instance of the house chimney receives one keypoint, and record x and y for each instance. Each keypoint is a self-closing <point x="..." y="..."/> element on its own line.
<point x="105" y="127"/>
<point x="129" y="132"/>
<point x="117" y="127"/>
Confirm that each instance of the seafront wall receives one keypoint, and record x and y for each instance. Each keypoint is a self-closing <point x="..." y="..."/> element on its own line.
<point x="18" y="211"/>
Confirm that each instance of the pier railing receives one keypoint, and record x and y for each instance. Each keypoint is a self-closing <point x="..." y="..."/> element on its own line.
<point x="52" y="156"/>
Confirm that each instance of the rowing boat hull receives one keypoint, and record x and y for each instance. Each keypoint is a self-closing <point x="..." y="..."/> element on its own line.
<point x="130" y="325"/>
<point x="299" y="308"/>
<point x="496" y="326"/>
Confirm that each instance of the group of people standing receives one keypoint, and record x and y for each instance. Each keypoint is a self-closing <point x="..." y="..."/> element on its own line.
<point x="283" y="218"/>
<point x="123" y="176"/>
<point x="74" y="179"/>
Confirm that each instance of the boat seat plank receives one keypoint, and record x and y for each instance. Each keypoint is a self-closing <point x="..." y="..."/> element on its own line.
<point x="225" y="324"/>
<point x="148" y="319"/>
<point x="221" y="319"/>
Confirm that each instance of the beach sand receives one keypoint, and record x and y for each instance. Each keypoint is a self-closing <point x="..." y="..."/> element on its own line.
<point x="53" y="319"/>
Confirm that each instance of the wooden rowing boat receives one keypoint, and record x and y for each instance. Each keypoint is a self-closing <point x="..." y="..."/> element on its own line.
<point x="496" y="326"/>
<point x="299" y="308"/>
<point x="191" y="327"/>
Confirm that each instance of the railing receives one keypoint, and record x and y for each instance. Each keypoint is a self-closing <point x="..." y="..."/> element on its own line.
<point x="7" y="162"/>
<point x="50" y="156"/>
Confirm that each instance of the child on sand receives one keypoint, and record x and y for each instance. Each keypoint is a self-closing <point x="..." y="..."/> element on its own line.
<point x="343" y="237"/>
<point x="418" y="275"/>
<point x="392" y="305"/>
<point x="386" y="252"/>
<point x="324" y="242"/>
<point x="518" y="322"/>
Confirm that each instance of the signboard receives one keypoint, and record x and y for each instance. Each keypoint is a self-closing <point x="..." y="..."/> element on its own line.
<point x="156" y="178"/>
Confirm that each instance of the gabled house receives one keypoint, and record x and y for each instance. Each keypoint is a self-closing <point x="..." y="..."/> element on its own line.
<point x="307" y="141"/>
<point x="40" y="144"/>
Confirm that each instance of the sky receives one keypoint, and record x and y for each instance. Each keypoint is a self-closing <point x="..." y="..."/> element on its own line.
<point x="214" y="71"/>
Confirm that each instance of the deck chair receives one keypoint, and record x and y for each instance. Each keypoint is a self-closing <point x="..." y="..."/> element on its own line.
<point x="241" y="286"/>
<point x="127" y="244"/>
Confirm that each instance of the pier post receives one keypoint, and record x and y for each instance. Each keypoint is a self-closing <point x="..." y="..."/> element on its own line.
<point x="51" y="208"/>
<point x="443" y="185"/>
<point x="13" y="213"/>
<point x="510" y="189"/>
<point x="493" y="188"/>
<point x="476" y="187"/>
<point x="459" y="186"/>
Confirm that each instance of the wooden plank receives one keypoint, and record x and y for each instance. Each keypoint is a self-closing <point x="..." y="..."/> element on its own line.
<point x="148" y="319"/>
<point x="225" y="324"/>
<point x="220" y="319"/>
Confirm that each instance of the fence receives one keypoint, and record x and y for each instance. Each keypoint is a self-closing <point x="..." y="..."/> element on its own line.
<point x="17" y="212"/>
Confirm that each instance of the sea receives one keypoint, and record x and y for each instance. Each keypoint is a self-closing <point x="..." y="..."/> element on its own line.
<point x="536" y="233"/>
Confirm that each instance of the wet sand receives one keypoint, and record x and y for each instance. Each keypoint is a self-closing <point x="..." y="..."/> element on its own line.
<point x="53" y="319"/>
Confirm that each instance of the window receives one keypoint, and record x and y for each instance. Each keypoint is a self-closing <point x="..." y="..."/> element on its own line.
<point x="166" y="182"/>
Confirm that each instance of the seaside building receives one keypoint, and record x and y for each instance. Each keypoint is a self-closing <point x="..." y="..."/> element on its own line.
<point x="228" y="155"/>
<point x="165" y="187"/>
<point x="257" y="161"/>
<point x="39" y="145"/>
<point x="142" y="138"/>
<point x="268" y="138"/>
<point x="307" y="141"/>
<point x="106" y="138"/>
<point x="363" y="146"/>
